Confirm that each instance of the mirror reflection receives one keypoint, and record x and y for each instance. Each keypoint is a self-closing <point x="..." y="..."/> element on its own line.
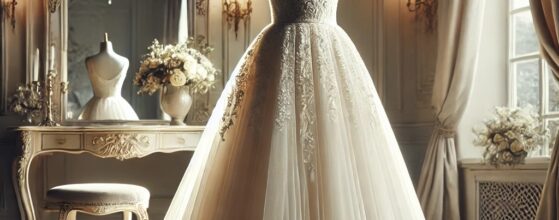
<point x="131" y="26"/>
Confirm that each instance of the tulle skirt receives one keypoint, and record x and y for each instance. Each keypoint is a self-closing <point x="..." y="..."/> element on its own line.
<point x="108" y="108"/>
<point x="298" y="133"/>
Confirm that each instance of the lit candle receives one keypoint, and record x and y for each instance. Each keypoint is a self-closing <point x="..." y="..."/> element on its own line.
<point x="36" y="64"/>
<point x="51" y="58"/>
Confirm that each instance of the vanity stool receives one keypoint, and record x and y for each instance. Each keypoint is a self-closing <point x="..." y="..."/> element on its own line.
<point x="99" y="199"/>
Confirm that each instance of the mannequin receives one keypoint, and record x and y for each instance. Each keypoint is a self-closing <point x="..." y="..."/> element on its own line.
<point x="107" y="71"/>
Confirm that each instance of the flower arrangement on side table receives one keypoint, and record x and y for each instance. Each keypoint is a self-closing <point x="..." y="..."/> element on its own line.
<point x="176" y="70"/>
<point x="27" y="102"/>
<point x="510" y="135"/>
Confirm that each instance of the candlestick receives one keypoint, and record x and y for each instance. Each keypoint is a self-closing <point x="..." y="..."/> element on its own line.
<point x="36" y="64"/>
<point x="48" y="120"/>
<point x="51" y="57"/>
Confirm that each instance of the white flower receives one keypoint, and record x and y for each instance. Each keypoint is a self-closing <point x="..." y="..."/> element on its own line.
<point x="179" y="65"/>
<point x="202" y="72"/>
<point x="513" y="131"/>
<point x="177" y="78"/>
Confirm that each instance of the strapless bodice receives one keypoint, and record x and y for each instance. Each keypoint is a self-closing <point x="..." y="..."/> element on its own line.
<point x="302" y="11"/>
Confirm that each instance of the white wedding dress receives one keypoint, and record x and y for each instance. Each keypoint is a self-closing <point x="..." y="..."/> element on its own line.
<point x="298" y="133"/>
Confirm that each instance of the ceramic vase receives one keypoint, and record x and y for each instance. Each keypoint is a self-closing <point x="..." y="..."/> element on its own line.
<point x="176" y="102"/>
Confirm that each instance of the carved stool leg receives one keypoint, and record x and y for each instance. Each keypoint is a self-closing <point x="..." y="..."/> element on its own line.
<point x="127" y="215"/>
<point x="66" y="214"/>
<point x="141" y="214"/>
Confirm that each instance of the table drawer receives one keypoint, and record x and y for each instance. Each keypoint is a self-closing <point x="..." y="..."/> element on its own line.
<point x="61" y="141"/>
<point x="179" y="140"/>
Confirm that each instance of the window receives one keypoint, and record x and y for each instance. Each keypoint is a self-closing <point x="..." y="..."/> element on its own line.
<point x="532" y="82"/>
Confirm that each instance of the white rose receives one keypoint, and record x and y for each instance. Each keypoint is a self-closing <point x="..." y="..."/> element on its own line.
<point x="202" y="72"/>
<point x="211" y="77"/>
<point x="190" y="65"/>
<point x="177" y="79"/>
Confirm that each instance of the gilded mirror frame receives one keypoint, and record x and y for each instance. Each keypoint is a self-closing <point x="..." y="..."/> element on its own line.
<point x="3" y="64"/>
<point x="56" y="34"/>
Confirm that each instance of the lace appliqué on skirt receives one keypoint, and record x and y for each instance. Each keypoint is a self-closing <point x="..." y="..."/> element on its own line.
<point x="236" y="97"/>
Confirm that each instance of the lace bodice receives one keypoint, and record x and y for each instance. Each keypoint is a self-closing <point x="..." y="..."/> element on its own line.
<point x="295" y="11"/>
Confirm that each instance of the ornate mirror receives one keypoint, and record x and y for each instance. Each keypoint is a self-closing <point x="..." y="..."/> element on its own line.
<point x="77" y="27"/>
<point x="3" y="67"/>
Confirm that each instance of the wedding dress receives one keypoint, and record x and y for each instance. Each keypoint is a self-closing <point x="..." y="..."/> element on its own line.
<point x="298" y="133"/>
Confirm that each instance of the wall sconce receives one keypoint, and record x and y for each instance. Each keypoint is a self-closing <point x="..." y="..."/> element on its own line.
<point x="416" y="5"/>
<point x="428" y="9"/>
<point x="234" y="12"/>
<point x="10" y="9"/>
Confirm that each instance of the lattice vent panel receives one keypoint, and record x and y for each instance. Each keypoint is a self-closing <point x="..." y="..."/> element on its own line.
<point x="508" y="200"/>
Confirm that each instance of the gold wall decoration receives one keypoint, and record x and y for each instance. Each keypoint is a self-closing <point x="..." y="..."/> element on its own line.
<point x="9" y="10"/>
<point x="121" y="146"/>
<point x="426" y="9"/>
<point x="201" y="7"/>
<point x="236" y="11"/>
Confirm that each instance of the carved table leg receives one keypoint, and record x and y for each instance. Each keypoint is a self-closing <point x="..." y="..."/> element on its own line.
<point x="21" y="178"/>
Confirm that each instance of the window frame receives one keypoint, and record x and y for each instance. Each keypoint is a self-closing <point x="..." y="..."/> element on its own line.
<point x="546" y="115"/>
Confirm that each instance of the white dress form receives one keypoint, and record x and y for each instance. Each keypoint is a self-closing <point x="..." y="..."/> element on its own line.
<point x="107" y="71"/>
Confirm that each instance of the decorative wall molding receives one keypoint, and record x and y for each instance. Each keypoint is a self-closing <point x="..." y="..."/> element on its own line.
<point x="53" y="5"/>
<point x="413" y="133"/>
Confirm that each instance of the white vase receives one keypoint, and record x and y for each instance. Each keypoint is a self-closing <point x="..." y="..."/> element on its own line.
<point x="176" y="102"/>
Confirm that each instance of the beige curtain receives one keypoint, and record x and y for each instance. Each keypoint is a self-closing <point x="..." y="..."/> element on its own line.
<point x="546" y="21"/>
<point x="459" y="28"/>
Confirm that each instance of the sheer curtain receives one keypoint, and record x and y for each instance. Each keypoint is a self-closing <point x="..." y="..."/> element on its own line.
<point x="176" y="24"/>
<point x="546" y="21"/>
<point x="459" y="26"/>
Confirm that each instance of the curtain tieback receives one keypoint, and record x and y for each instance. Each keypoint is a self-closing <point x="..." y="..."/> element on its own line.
<point x="445" y="131"/>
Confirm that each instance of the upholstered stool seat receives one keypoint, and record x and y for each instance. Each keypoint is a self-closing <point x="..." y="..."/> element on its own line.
<point x="99" y="199"/>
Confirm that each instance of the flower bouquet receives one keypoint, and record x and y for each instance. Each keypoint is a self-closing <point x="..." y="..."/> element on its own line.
<point x="177" y="65"/>
<point x="510" y="135"/>
<point x="177" y="70"/>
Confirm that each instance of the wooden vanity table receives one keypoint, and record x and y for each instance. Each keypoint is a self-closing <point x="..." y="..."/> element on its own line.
<point x="106" y="141"/>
